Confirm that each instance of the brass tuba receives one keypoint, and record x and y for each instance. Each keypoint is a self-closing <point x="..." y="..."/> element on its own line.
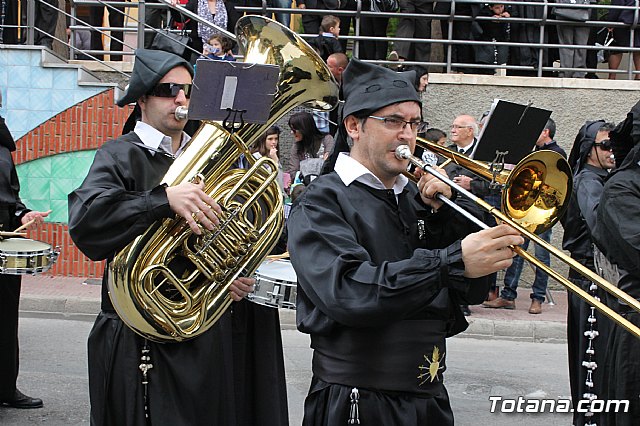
<point x="170" y="284"/>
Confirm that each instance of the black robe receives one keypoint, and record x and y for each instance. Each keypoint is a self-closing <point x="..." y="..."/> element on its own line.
<point x="379" y="283"/>
<point x="578" y="223"/>
<point x="211" y="379"/>
<point x="617" y="234"/>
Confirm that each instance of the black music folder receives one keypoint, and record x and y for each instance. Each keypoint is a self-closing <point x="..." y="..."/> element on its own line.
<point x="220" y="86"/>
<point x="511" y="128"/>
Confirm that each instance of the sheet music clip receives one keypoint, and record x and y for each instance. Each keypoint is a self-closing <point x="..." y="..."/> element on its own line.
<point x="496" y="166"/>
<point x="234" y="120"/>
<point x="233" y="92"/>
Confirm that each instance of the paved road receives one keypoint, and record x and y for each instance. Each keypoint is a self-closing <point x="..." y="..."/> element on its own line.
<point x="54" y="368"/>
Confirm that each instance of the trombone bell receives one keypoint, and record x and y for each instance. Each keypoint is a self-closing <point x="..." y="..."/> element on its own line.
<point x="538" y="190"/>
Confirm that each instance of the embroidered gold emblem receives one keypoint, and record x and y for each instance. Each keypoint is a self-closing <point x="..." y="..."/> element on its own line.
<point x="431" y="370"/>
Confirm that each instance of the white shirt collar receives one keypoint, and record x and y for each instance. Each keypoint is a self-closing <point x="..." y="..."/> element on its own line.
<point x="351" y="170"/>
<point x="156" y="140"/>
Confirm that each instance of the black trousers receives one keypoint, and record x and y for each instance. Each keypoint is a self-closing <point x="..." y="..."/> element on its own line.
<point x="46" y="19"/>
<point x="116" y="19"/>
<point x="9" y="301"/>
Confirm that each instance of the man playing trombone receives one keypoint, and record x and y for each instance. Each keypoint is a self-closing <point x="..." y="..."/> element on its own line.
<point x="382" y="266"/>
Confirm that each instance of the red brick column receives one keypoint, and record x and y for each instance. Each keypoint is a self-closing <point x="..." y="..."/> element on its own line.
<point x="84" y="126"/>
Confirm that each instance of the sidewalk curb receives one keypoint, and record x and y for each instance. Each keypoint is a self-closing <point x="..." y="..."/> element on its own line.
<point x="524" y="331"/>
<point x="85" y="309"/>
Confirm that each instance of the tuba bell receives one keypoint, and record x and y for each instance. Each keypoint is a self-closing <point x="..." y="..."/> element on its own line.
<point x="170" y="284"/>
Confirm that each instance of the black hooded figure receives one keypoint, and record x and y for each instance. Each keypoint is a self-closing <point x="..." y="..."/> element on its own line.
<point x="579" y="222"/>
<point x="617" y="235"/>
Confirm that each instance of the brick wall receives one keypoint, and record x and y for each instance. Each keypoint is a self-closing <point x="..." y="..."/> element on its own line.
<point x="84" y="126"/>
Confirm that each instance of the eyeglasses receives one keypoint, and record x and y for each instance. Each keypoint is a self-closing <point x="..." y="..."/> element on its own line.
<point x="604" y="145"/>
<point x="397" y="124"/>
<point x="456" y="127"/>
<point x="170" y="90"/>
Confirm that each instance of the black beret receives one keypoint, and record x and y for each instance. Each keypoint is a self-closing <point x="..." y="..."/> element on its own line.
<point x="368" y="87"/>
<point x="149" y="68"/>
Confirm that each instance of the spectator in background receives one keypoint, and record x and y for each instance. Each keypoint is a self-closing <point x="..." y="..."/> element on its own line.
<point x="311" y="23"/>
<point x="422" y="77"/>
<point x="309" y="142"/>
<point x="213" y="11"/>
<point x="116" y="20"/>
<point x="327" y="42"/>
<point x="622" y="36"/>
<point x="413" y="28"/>
<point x="464" y="131"/>
<point x="201" y="33"/>
<point x="81" y="41"/>
<point x="573" y="34"/>
<point x="46" y="19"/>
<point x="527" y="34"/>
<point x="218" y="48"/>
<point x="461" y="30"/>
<point x="497" y="30"/>
<point x="267" y="146"/>
<point x="283" y="18"/>
<point x="373" y="27"/>
<point x="337" y="62"/>
<point x="154" y="17"/>
<point x="345" y="21"/>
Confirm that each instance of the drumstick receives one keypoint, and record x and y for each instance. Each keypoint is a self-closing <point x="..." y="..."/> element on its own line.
<point x="13" y="234"/>
<point x="25" y="225"/>
<point x="274" y="257"/>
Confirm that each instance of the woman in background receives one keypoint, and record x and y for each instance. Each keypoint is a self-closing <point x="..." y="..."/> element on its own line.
<point x="309" y="141"/>
<point x="267" y="146"/>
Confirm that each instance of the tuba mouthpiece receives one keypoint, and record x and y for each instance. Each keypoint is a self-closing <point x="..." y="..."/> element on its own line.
<point x="181" y="113"/>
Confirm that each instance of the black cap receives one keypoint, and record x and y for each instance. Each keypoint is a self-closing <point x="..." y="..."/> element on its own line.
<point x="149" y="68"/>
<point x="368" y="87"/>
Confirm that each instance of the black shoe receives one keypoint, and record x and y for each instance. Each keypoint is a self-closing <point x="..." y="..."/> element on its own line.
<point x="465" y="310"/>
<point x="21" y="400"/>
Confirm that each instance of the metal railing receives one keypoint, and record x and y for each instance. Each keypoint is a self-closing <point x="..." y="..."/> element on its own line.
<point x="544" y="24"/>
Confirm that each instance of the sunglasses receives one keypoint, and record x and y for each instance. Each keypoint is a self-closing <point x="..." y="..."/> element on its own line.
<point x="170" y="90"/>
<point x="605" y="145"/>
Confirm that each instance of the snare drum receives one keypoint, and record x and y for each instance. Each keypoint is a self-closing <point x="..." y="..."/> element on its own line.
<point x="19" y="256"/>
<point x="275" y="285"/>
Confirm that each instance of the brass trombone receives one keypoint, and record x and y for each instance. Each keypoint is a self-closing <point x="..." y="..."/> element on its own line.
<point x="536" y="194"/>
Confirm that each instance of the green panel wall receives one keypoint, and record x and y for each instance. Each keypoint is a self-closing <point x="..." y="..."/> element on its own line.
<point x="46" y="182"/>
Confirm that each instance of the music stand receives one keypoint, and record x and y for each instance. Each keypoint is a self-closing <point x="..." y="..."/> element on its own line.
<point x="233" y="92"/>
<point x="510" y="132"/>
